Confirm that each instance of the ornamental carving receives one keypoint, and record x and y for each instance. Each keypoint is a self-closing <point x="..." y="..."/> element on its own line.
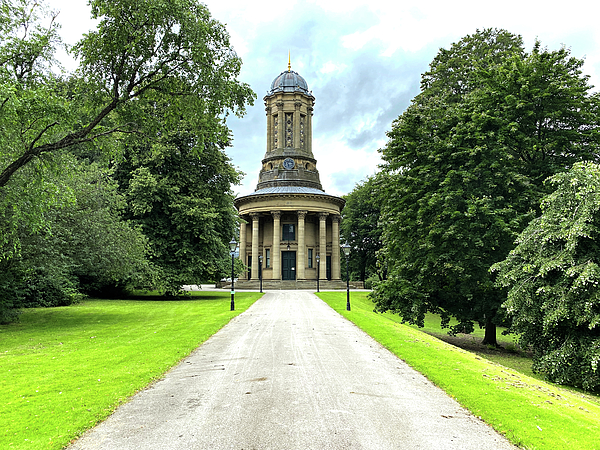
<point x="289" y="130"/>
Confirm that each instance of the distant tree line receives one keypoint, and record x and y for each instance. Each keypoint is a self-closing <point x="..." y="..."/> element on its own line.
<point x="485" y="208"/>
<point x="116" y="175"/>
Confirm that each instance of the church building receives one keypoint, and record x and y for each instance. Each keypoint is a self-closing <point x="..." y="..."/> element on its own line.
<point x="289" y="220"/>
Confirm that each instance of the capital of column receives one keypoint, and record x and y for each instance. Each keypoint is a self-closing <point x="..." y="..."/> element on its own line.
<point x="255" y="216"/>
<point x="302" y="214"/>
<point x="276" y="214"/>
<point x="336" y="218"/>
<point x="323" y="215"/>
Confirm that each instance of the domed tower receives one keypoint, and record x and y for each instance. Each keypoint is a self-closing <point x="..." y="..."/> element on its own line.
<point x="289" y="160"/>
<point x="289" y="220"/>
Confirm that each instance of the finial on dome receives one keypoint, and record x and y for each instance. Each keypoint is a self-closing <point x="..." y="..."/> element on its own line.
<point x="289" y="61"/>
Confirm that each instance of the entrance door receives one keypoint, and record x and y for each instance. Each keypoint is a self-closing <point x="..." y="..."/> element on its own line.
<point x="288" y="265"/>
<point x="328" y="271"/>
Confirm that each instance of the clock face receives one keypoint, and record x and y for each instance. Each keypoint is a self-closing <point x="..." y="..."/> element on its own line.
<point x="288" y="164"/>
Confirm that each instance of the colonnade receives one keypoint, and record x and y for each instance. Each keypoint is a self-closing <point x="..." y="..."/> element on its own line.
<point x="328" y="225"/>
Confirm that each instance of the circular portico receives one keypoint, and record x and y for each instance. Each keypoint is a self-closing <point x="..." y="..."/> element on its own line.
<point x="289" y="219"/>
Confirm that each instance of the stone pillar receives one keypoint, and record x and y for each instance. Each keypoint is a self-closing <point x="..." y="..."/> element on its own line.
<point x="297" y="106"/>
<point x="255" y="224"/>
<point x="269" y="129"/>
<point x="309" y="129"/>
<point x="301" y="261"/>
<point x="276" y="253"/>
<point x="335" y="247"/>
<point x="243" y="245"/>
<point x="323" y="245"/>
<point x="280" y="126"/>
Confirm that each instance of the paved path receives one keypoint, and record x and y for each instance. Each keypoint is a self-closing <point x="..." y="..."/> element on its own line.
<point x="290" y="373"/>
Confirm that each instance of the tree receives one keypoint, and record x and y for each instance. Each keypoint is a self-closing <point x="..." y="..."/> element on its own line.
<point x="181" y="198"/>
<point x="146" y="66"/>
<point x="84" y="246"/>
<point x="466" y="162"/>
<point x="142" y="51"/>
<point x="360" y="227"/>
<point x="553" y="277"/>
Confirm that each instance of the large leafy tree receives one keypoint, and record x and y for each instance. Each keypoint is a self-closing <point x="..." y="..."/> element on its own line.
<point x="553" y="277"/>
<point x="466" y="163"/>
<point x="147" y="65"/>
<point x="361" y="228"/>
<point x="141" y="52"/>
<point x="84" y="245"/>
<point x="181" y="197"/>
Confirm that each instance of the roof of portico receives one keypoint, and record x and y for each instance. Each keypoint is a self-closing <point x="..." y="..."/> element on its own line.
<point x="273" y="195"/>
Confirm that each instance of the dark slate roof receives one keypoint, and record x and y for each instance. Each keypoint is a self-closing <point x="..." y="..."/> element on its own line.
<point x="289" y="81"/>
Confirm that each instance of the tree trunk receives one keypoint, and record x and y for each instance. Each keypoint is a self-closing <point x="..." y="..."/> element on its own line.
<point x="490" y="333"/>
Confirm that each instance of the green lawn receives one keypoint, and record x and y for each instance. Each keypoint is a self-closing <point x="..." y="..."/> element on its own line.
<point x="531" y="413"/>
<point x="510" y="355"/>
<point x="63" y="370"/>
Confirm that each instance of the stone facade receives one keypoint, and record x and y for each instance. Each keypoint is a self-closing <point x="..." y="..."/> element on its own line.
<point x="289" y="220"/>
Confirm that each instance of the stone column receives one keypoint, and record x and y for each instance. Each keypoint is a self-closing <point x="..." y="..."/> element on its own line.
<point x="309" y="129"/>
<point x="276" y="253"/>
<point x="255" y="224"/>
<point x="301" y="261"/>
<point x="323" y="244"/>
<point x="297" y="106"/>
<point x="280" y="126"/>
<point x="243" y="245"/>
<point x="269" y="129"/>
<point x="335" y="247"/>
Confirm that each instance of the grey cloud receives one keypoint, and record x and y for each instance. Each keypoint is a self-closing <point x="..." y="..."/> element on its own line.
<point x="369" y="88"/>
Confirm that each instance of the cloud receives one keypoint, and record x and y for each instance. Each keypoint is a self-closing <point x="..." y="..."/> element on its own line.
<point x="363" y="61"/>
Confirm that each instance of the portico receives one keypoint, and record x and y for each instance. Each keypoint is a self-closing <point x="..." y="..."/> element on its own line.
<point x="290" y="239"/>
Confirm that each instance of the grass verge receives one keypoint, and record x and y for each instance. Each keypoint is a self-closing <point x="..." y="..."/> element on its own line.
<point x="63" y="370"/>
<point x="530" y="413"/>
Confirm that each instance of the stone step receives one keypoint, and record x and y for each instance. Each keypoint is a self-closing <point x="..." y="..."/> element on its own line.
<point x="324" y="285"/>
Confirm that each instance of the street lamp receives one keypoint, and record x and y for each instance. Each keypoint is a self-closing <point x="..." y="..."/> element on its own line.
<point x="232" y="247"/>
<point x="260" y="260"/>
<point x="318" y="258"/>
<point x="346" y="250"/>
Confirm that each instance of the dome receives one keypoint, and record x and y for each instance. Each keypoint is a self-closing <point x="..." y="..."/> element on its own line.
<point x="289" y="81"/>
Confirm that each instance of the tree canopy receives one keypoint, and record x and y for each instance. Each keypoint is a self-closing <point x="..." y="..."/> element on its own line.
<point x="465" y="164"/>
<point x="181" y="198"/>
<point x="142" y="51"/>
<point x="361" y="229"/>
<point x="553" y="277"/>
<point x="152" y="76"/>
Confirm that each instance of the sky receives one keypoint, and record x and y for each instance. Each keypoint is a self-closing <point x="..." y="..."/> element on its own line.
<point x="362" y="60"/>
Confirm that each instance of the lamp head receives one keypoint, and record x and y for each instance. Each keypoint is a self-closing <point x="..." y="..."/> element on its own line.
<point x="346" y="248"/>
<point x="232" y="246"/>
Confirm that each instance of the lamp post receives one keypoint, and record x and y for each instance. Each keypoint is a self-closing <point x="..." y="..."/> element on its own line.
<point x="318" y="258"/>
<point x="232" y="247"/>
<point x="346" y="249"/>
<point x="260" y="260"/>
